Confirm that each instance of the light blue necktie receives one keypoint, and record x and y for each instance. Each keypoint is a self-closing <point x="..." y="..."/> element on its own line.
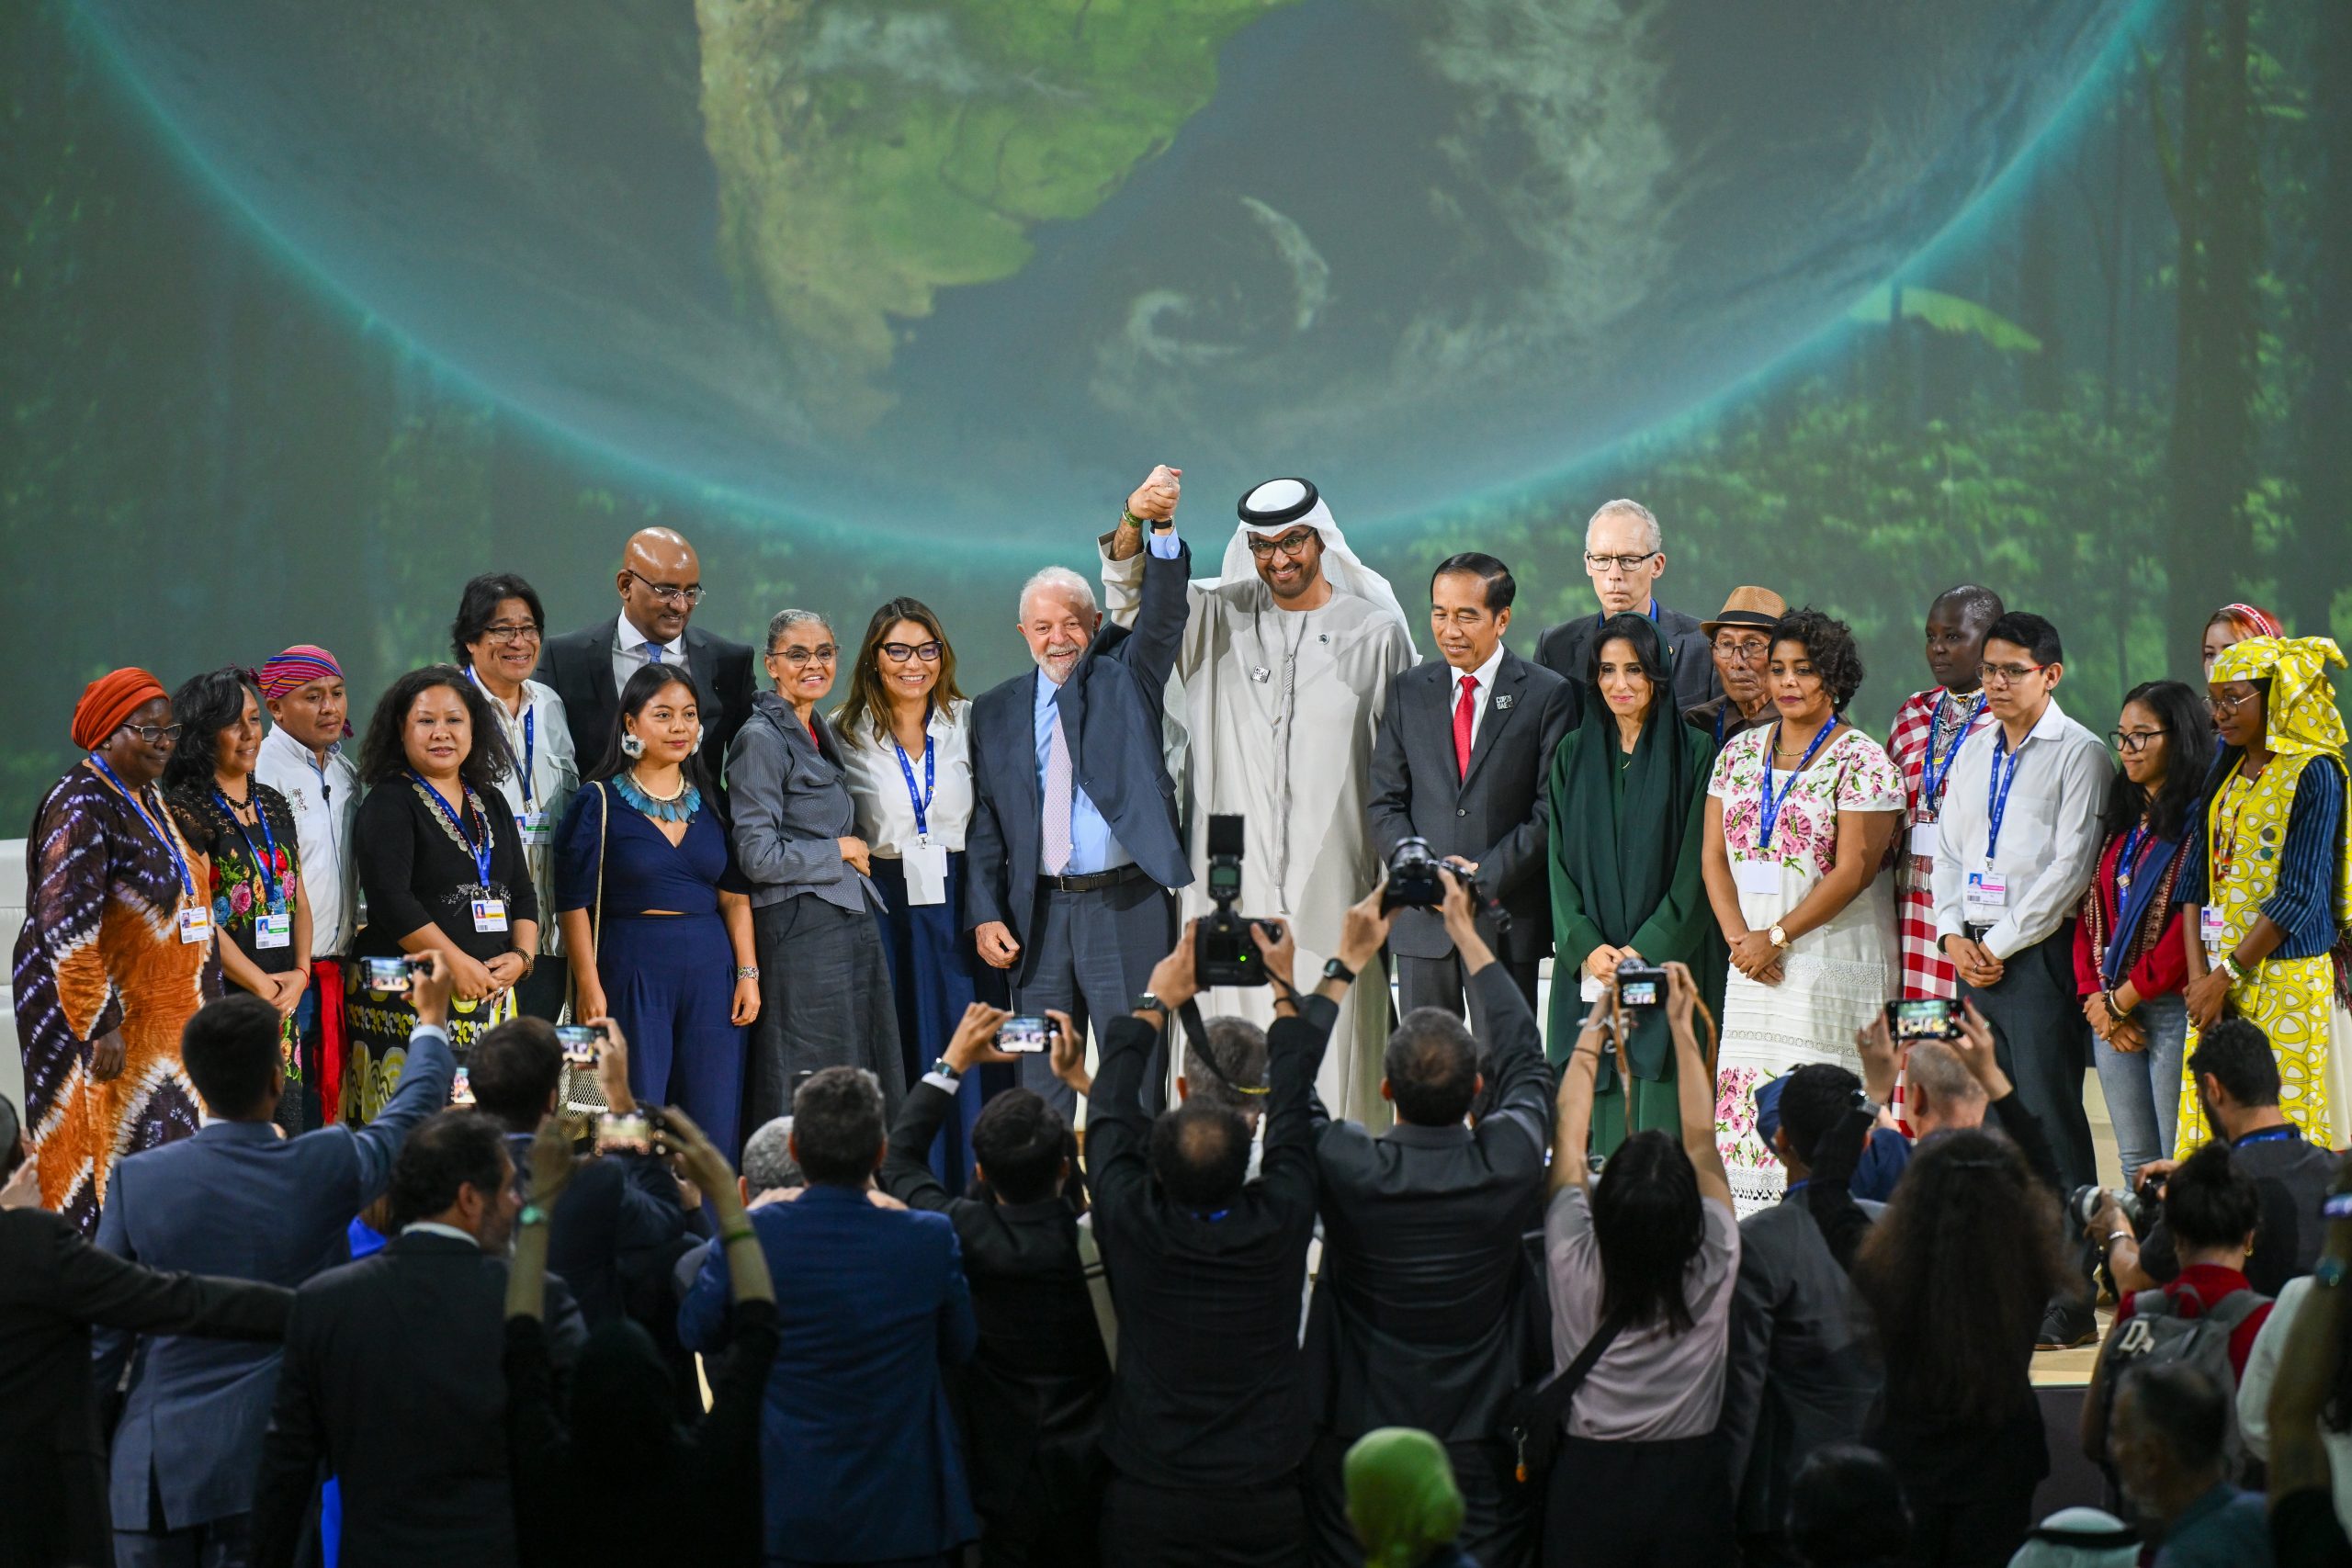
<point x="653" y="653"/>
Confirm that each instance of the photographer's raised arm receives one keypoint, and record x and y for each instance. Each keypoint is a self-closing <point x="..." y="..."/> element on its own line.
<point x="1117" y="1132"/>
<point x="1571" y="1131"/>
<point x="1694" y="1086"/>
<point x="906" y="1172"/>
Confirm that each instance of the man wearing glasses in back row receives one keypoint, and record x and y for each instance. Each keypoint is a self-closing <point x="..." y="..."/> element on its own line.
<point x="1624" y="554"/>
<point x="660" y="583"/>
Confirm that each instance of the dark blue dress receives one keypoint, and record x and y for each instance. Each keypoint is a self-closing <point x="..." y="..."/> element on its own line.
<point x="669" y="979"/>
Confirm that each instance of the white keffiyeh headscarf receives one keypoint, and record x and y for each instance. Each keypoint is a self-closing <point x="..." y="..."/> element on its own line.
<point x="1273" y="509"/>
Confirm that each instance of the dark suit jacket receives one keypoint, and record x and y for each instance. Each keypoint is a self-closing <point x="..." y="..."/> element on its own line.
<point x="1111" y="706"/>
<point x="237" y="1200"/>
<point x="53" y="1286"/>
<point x="1796" y="1378"/>
<point x="1567" y="649"/>
<point x="616" y="1232"/>
<point x="1207" y="1393"/>
<point x="1418" y="1317"/>
<point x="1034" y="1396"/>
<point x="578" y="665"/>
<point x="393" y="1377"/>
<point x="1498" y="817"/>
<point x="859" y="1451"/>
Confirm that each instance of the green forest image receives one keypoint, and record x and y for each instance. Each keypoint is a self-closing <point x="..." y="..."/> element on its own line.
<point x="314" y="311"/>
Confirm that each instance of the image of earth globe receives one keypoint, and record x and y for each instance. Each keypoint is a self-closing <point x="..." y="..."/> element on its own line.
<point x="964" y="269"/>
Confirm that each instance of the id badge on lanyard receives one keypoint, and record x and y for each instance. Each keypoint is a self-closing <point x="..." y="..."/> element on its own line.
<point x="274" y="931"/>
<point x="195" y="922"/>
<point x="2212" y="930"/>
<point x="926" y="864"/>
<point x="489" y="914"/>
<point x="1989" y="893"/>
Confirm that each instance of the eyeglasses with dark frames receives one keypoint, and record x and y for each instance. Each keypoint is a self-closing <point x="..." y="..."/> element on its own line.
<point x="928" y="652"/>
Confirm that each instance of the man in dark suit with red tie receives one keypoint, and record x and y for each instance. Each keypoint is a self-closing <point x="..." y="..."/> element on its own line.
<point x="1463" y="752"/>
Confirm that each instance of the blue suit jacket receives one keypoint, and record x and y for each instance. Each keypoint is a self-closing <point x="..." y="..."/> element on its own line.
<point x="859" y="1454"/>
<point x="1112" y="707"/>
<point x="235" y="1200"/>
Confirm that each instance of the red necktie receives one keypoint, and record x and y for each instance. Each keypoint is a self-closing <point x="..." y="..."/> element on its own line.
<point x="1462" y="711"/>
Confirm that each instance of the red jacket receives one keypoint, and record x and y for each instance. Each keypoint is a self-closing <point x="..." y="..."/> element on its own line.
<point x="2161" y="971"/>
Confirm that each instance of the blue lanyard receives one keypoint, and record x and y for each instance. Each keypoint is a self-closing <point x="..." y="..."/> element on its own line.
<point x="179" y="860"/>
<point x="1719" y="730"/>
<point x="1997" y="781"/>
<point x="481" y="852"/>
<point x="2127" y="862"/>
<point x="1772" y="803"/>
<point x="268" y="866"/>
<point x="1932" y="778"/>
<point x="2268" y="1135"/>
<point x="921" y="802"/>
<point x="530" y="714"/>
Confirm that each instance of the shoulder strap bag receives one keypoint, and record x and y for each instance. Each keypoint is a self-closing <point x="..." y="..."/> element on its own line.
<point x="1531" y="1420"/>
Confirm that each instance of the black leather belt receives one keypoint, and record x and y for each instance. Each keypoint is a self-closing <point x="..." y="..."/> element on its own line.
<point x="1093" y="881"/>
<point x="1975" y="933"/>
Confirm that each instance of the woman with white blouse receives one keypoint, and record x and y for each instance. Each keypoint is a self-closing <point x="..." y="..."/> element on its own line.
<point x="1799" y="815"/>
<point x="905" y="733"/>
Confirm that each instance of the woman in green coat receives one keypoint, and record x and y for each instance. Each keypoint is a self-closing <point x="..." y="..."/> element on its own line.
<point x="1629" y="799"/>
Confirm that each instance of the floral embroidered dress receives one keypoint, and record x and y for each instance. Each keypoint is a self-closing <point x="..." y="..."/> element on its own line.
<point x="100" y="951"/>
<point x="1834" y="978"/>
<point x="255" y="873"/>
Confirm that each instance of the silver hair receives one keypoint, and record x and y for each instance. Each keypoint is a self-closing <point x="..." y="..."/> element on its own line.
<point x="1062" y="580"/>
<point x="784" y="621"/>
<point x="767" y="1158"/>
<point x="1653" y="540"/>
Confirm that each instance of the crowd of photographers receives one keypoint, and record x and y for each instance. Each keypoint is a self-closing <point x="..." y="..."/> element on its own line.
<point x="1505" y="1357"/>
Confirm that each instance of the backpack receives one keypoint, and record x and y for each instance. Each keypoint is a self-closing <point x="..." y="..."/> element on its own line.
<point x="2157" y="1332"/>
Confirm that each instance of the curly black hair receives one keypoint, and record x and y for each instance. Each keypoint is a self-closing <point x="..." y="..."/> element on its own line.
<point x="383" y="754"/>
<point x="204" y="707"/>
<point x="1828" y="644"/>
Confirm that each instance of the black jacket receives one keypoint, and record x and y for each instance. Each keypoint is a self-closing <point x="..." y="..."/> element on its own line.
<point x="1498" y="817"/>
<point x="54" y="1286"/>
<point x="578" y="665"/>
<point x="393" y="1378"/>
<point x="1207" y="1393"/>
<point x="1567" y="650"/>
<point x="1418" y="1317"/>
<point x="1034" y="1395"/>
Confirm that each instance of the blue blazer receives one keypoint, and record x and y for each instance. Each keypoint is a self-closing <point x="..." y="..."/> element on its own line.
<point x="1112" y="707"/>
<point x="860" y="1458"/>
<point x="235" y="1200"/>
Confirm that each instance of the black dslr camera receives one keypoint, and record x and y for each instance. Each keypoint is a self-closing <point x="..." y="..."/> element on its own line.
<point x="1224" y="951"/>
<point x="1414" y="879"/>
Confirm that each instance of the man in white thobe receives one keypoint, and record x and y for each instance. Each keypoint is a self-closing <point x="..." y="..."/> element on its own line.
<point x="1284" y="668"/>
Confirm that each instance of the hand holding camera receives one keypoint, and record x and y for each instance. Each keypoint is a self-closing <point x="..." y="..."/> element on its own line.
<point x="1173" y="978"/>
<point x="975" y="1037"/>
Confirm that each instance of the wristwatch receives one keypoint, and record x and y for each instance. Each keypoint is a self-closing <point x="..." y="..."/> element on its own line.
<point x="1335" y="970"/>
<point x="1147" y="1002"/>
<point x="532" y="1214"/>
<point x="1779" y="937"/>
<point x="946" y="1068"/>
<point x="2329" y="1270"/>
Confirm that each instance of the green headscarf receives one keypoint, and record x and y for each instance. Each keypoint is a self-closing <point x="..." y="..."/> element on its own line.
<point x="1622" y="859"/>
<point x="1401" y="1496"/>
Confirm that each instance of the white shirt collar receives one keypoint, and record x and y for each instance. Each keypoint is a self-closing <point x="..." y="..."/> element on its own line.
<point x="1484" y="674"/>
<point x="295" y="749"/>
<point x="631" y="639"/>
<point x="2047" y="725"/>
<point x="433" y="1227"/>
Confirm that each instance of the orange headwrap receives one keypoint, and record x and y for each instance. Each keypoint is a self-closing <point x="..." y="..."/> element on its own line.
<point x="109" y="702"/>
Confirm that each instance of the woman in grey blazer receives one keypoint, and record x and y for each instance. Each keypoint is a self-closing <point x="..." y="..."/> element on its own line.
<point x="824" y="979"/>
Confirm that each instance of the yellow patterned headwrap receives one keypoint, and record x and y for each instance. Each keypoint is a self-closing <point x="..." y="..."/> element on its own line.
<point x="2302" y="718"/>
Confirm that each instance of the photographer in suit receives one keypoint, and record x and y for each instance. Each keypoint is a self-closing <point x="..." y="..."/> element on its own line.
<point x="1208" y="1426"/>
<point x="55" y="1287"/>
<point x="1463" y="750"/>
<point x="1422" y="1317"/>
<point x="660" y="583"/>
<point x="238" y="1198"/>
<point x="1033" y="1400"/>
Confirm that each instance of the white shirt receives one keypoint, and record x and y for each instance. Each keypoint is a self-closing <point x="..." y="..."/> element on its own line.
<point x="629" y="651"/>
<point x="886" y="812"/>
<point x="1482" y="699"/>
<point x="2049" y="830"/>
<point x="553" y="778"/>
<point x="325" y="799"/>
<point x="434" y="1227"/>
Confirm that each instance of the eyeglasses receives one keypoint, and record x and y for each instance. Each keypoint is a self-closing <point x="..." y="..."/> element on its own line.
<point x="2010" y="674"/>
<point x="2135" y="741"/>
<point x="1293" y="544"/>
<point x="1598" y="564"/>
<point x="688" y="596"/>
<point x="1745" y="651"/>
<point x="502" y="634"/>
<point x="155" y="735"/>
<point x="928" y="652"/>
<point x="2222" y="707"/>
<point x="824" y="654"/>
